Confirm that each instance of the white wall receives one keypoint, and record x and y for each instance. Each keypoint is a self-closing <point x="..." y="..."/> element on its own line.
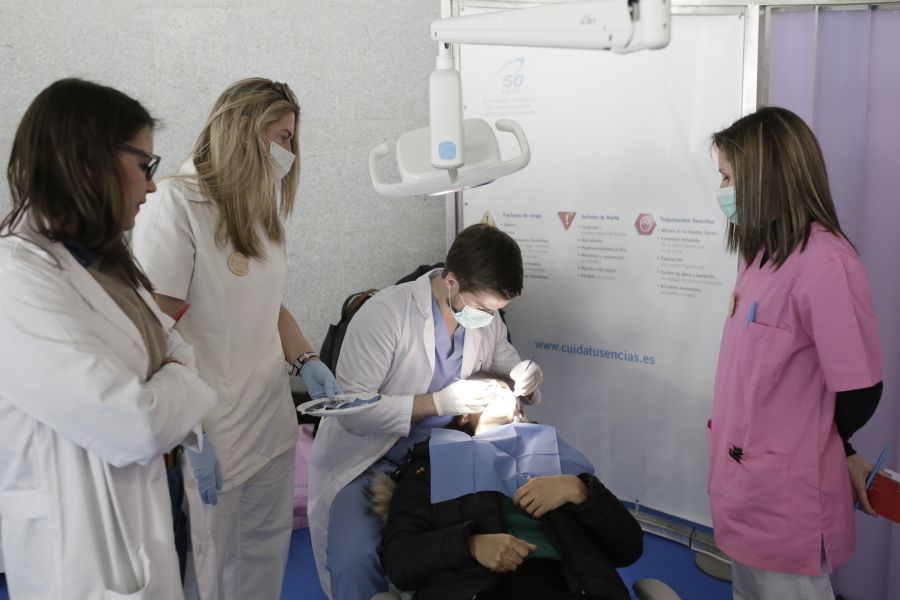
<point x="359" y="67"/>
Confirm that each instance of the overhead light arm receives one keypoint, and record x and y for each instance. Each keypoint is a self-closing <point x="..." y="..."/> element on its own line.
<point x="465" y="153"/>
<point x="618" y="25"/>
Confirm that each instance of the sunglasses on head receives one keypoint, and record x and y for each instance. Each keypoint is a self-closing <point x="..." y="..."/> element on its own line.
<point x="282" y="89"/>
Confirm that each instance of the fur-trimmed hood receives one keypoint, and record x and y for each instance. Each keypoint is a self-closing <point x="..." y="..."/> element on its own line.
<point x="381" y="490"/>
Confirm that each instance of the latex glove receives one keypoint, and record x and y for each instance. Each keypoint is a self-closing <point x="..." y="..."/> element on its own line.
<point x="207" y="471"/>
<point x="319" y="380"/>
<point x="462" y="397"/>
<point x="527" y="377"/>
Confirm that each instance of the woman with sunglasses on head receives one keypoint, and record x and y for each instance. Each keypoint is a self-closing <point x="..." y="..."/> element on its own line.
<point x="214" y="238"/>
<point x="95" y="383"/>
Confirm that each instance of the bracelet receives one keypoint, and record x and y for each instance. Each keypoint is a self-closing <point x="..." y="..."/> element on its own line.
<point x="302" y="360"/>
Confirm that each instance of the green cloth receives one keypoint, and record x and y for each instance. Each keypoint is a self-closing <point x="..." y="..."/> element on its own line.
<point x="525" y="527"/>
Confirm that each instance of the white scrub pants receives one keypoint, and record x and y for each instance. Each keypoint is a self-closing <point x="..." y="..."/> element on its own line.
<point x="750" y="583"/>
<point x="251" y="528"/>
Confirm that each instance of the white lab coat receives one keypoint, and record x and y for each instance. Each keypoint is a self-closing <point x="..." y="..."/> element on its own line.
<point x="84" y="501"/>
<point x="389" y="348"/>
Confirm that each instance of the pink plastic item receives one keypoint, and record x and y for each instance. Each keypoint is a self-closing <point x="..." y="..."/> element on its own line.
<point x="301" y="475"/>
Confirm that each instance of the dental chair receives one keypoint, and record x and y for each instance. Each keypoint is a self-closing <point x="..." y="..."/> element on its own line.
<point x="644" y="589"/>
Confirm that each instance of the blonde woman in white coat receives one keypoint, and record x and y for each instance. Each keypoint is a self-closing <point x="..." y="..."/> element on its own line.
<point x="213" y="238"/>
<point x="95" y="384"/>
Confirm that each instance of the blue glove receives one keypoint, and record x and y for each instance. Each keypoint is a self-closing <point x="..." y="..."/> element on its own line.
<point x="207" y="471"/>
<point x="319" y="380"/>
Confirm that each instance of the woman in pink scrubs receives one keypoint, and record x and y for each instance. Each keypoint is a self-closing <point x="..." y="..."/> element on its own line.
<point x="800" y="367"/>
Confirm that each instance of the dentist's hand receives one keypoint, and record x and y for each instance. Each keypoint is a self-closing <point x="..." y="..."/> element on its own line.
<point x="527" y="377"/>
<point x="207" y="471"/>
<point x="319" y="380"/>
<point x="462" y="398"/>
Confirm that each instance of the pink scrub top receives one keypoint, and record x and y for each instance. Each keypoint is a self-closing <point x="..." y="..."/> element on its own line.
<point x="814" y="334"/>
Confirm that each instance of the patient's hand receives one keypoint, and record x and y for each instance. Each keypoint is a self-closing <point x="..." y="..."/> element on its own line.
<point x="543" y="494"/>
<point x="499" y="552"/>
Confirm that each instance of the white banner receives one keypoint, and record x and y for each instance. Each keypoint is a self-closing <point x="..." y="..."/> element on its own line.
<point x="627" y="281"/>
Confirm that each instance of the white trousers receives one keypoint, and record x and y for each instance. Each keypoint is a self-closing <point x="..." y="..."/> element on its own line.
<point x="251" y="528"/>
<point x="750" y="583"/>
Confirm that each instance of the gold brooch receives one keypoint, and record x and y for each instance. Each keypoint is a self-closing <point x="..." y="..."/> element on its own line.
<point x="238" y="264"/>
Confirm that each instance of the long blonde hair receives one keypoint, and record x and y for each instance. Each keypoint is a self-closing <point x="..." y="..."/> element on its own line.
<point x="781" y="184"/>
<point x="234" y="166"/>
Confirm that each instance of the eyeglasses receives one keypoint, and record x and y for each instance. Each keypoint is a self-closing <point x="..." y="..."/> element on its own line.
<point x="152" y="160"/>
<point x="489" y="311"/>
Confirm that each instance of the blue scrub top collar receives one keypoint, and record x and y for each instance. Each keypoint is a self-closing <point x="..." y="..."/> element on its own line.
<point x="84" y="255"/>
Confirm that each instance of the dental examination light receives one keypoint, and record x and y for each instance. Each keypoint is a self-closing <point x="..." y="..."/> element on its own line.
<point x="452" y="153"/>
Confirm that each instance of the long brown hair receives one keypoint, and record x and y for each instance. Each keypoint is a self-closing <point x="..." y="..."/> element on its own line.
<point x="234" y="167"/>
<point x="781" y="184"/>
<point x="64" y="174"/>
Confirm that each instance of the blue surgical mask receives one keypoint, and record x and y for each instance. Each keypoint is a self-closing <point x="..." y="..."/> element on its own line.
<point x="468" y="317"/>
<point x="728" y="203"/>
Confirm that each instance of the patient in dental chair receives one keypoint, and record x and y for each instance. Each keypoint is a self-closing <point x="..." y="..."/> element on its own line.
<point x="500" y="508"/>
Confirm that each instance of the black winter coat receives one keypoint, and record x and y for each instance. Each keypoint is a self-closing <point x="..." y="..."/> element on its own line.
<point x="426" y="547"/>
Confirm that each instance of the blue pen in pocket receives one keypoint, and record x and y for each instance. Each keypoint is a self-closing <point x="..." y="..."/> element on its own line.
<point x="751" y="318"/>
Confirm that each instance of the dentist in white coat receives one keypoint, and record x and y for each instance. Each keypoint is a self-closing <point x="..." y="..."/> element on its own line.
<point x="412" y="343"/>
<point x="95" y="384"/>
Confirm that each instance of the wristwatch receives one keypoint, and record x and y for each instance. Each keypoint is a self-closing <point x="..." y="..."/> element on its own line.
<point x="302" y="360"/>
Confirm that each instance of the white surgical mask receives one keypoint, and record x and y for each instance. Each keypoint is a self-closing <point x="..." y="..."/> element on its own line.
<point x="468" y="317"/>
<point x="727" y="202"/>
<point x="282" y="158"/>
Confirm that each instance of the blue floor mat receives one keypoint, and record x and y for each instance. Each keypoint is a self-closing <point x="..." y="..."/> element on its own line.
<point x="300" y="579"/>
<point x="674" y="565"/>
<point x="663" y="560"/>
